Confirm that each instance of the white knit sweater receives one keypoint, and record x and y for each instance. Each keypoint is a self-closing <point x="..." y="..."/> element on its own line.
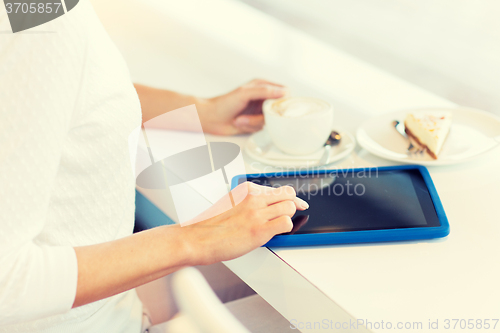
<point x="67" y="111"/>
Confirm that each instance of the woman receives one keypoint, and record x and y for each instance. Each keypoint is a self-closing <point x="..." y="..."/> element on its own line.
<point x="69" y="261"/>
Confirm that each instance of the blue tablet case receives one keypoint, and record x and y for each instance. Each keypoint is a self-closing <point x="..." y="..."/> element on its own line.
<point x="365" y="236"/>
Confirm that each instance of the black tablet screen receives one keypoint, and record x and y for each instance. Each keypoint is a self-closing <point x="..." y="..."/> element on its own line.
<point x="353" y="200"/>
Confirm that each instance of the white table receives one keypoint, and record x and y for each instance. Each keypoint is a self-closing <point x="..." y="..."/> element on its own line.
<point x="208" y="48"/>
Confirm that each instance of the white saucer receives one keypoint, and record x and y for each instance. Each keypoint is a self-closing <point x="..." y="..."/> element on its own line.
<point x="260" y="147"/>
<point x="473" y="133"/>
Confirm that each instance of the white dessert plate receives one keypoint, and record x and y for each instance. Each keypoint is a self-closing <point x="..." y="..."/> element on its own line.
<point x="260" y="147"/>
<point x="473" y="133"/>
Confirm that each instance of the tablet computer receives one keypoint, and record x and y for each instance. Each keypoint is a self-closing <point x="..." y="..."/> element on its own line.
<point x="359" y="205"/>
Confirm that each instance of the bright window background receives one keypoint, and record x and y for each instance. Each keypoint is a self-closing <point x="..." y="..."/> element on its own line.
<point x="449" y="47"/>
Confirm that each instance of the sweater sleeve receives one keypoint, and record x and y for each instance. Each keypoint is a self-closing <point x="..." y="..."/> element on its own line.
<point x="37" y="282"/>
<point x="40" y="74"/>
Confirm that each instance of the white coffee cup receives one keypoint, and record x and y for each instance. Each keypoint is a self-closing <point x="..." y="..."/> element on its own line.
<point x="298" y="125"/>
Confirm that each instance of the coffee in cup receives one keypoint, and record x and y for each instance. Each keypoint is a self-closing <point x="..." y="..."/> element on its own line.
<point x="298" y="125"/>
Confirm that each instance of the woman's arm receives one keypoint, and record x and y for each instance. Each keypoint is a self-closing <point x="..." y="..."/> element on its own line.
<point x="239" y="111"/>
<point x="113" y="267"/>
<point x="110" y="268"/>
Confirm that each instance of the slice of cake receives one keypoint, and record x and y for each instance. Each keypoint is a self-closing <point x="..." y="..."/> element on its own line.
<point x="429" y="129"/>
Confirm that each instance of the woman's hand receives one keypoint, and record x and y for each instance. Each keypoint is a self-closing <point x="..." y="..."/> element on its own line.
<point x="260" y="213"/>
<point x="110" y="268"/>
<point x="239" y="111"/>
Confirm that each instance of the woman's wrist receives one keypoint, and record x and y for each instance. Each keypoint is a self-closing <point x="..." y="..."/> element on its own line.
<point x="206" y="108"/>
<point x="175" y="237"/>
<point x="195" y="242"/>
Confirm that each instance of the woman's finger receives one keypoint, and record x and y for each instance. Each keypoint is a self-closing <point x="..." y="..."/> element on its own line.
<point x="282" y="193"/>
<point x="247" y="129"/>
<point x="249" y="123"/>
<point x="300" y="204"/>
<point x="279" y="225"/>
<point x="286" y="207"/>
<point x="273" y="195"/>
<point x="264" y="91"/>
